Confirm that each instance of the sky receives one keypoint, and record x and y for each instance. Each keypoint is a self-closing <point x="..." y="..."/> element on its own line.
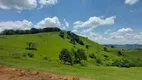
<point x="102" y="21"/>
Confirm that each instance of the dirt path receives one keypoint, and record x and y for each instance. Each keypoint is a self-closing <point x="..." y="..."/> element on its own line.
<point x="7" y="73"/>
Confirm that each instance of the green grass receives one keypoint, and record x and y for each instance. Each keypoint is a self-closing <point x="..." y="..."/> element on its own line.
<point x="50" y="45"/>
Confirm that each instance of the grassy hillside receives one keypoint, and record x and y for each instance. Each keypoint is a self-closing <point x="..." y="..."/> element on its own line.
<point x="50" y="44"/>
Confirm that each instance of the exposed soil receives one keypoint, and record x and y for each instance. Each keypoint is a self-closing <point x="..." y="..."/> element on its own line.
<point x="7" y="73"/>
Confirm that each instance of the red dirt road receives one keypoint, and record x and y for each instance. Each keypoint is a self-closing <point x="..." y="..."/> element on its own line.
<point x="7" y="73"/>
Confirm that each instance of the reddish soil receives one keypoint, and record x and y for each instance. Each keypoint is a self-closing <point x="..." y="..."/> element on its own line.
<point x="7" y="73"/>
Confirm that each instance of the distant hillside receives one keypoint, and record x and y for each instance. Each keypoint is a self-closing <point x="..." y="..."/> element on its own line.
<point x="126" y="46"/>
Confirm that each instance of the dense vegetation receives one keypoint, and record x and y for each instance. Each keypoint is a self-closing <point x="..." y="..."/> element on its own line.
<point x="31" y="31"/>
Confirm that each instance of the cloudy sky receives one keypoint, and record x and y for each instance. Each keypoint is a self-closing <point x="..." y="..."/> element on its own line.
<point x="103" y="21"/>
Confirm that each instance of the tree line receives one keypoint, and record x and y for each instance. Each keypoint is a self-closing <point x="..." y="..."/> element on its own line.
<point x="31" y="31"/>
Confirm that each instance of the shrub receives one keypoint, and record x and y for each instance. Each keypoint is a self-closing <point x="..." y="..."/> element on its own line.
<point x="46" y="58"/>
<point x="17" y="55"/>
<point x="112" y="46"/>
<point x="72" y="41"/>
<point x="31" y="45"/>
<point x="122" y="63"/>
<point x="65" y="56"/>
<point x="126" y="63"/>
<point x="87" y="46"/>
<point x="83" y="63"/>
<point x="98" y="60"/>
<point x="92" y="55"/>
<point x="117" y="63"/>
<point x="62" y="34"/>
<point x="105" y="49"/>
<point x="81" y="54"/>
<point x="106" y="56"/>
<point x="75" y="37"/>
<point x="120" y="53"/>
<point x="31" y="55"/>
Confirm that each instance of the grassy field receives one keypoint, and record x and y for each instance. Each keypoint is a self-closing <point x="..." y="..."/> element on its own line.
<point x="50" y="44"/>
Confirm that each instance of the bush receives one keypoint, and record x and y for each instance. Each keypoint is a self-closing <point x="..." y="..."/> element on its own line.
<point x="17" y="55"/>
<point x="112" y="46"/>
<point x="105" y="49"/>
<point x="83" y="63"/>
<point x="31" y="45"/>
<point x="92" y="55"/>
<point x="98" y="61"/>
<point x="106" y="56"/>
<point x="75" y="37"/>
<point x="62" y="34"/>
<point x="120" y="53"/>
<point x="87" y="46"/>
<point x="122" y="63"/>
<point x="31" y="55"/>
<point x="46" y="58"/>
<point x="65" y="56"/>
<point x="81" y="54"/>
<point x="72" y="41"/>
<point x="117" y="63"/>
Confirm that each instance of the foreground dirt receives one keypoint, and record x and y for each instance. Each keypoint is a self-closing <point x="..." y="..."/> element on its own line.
<point x="7" y="73"/>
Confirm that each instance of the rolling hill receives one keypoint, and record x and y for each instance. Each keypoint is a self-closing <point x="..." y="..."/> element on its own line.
<point x="46" y="57"/>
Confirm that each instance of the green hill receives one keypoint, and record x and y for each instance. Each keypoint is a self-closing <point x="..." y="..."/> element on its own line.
<point x="46" y="57"/>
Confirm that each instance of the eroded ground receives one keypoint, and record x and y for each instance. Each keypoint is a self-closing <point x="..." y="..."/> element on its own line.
<point x="7" y="73"/>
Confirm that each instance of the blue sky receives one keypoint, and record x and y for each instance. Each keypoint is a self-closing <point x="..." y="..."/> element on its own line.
<point x="103" y="21"/>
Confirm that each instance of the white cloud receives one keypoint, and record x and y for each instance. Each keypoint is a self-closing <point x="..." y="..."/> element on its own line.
<point x="25" y="24"/>
<point x="47" y="2"/>
<point x="125" y="30"/>
<point x="131" y="2"/>
<point x="49" y="22"/>
<point x="122" y="31"/>
<point x="18" y="4"/>
<point x="74" y="31"/>
<point x="94" y="22"/>
<point x="107" y="31"/>
<point x="66" y="23"/>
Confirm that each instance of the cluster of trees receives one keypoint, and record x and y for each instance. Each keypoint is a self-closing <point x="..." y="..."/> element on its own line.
<point x="73" y="56"/>
<point x="126" y="62"/>
<point x="74" y="38"/>
<point x="31" y="31"/>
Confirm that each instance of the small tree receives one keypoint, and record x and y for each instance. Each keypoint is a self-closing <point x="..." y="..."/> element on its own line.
<point x="112" y="46"/>
<point x="92" y="55"/>
<point x="120" y="53"/>
<point x="87" y="46"/>
<point x="31" y="45"/>
<point x="62" y="34"/>
<point x="81" y="54"/>
<point x="72" y="41"/>
<point x="65" y="56"/>
<point x="105" y="49"/>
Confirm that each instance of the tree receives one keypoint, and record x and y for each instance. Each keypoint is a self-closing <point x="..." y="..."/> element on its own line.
<point x="92" y="55"/>
<point x="75" y="37"/>
<point x="105" y="49"/>
<point x="112" y="46"/>
<point x="31" y="45"/>
<point x="72" y="41"/>
<point x="81" y="54"/>
<point x="62" y="34"/>
<point x="87" y="46"/>
<point x="65" y="56"/>
<point x="120" y="53"/>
